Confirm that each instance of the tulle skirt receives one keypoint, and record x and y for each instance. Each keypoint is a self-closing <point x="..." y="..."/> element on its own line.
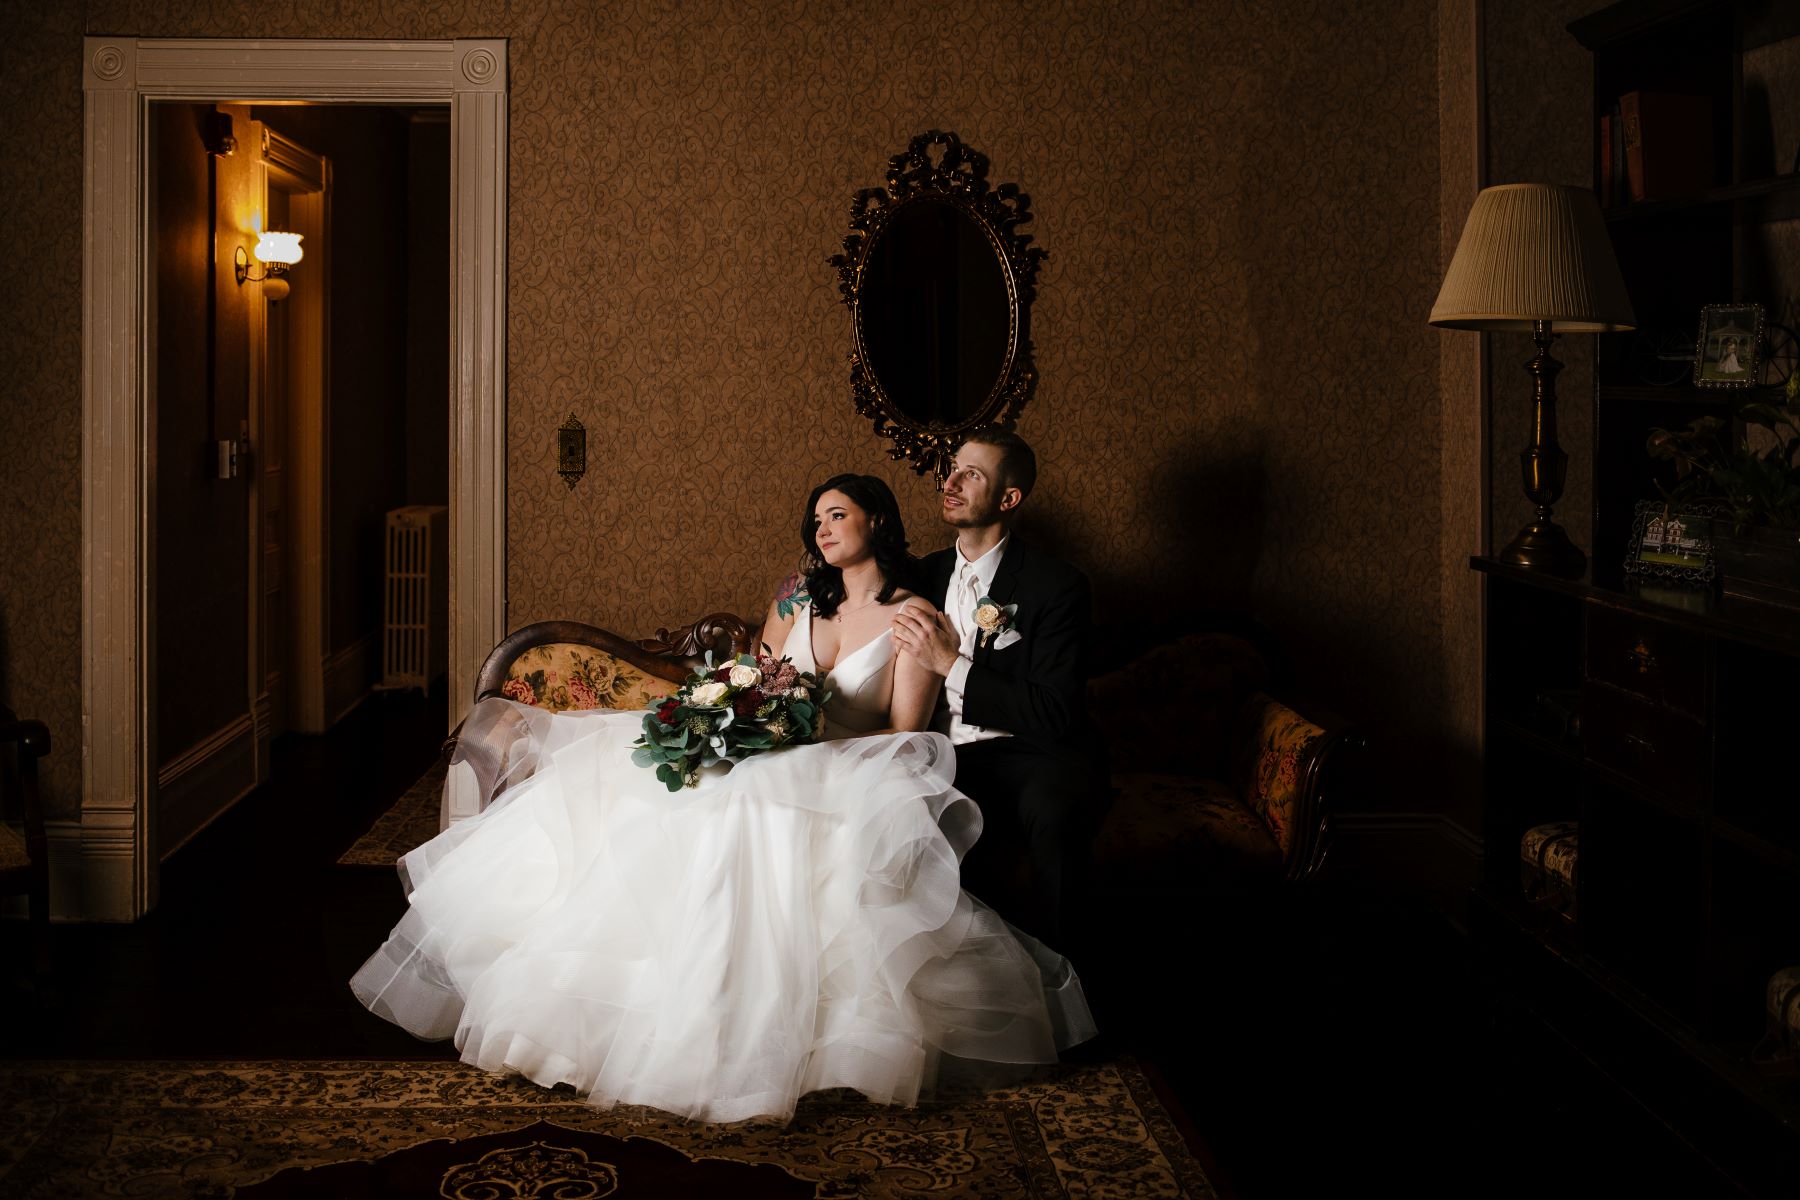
<point x="792" y="923"/>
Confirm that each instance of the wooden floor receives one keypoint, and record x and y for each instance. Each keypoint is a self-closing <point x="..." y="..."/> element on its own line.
<point x="1332" y="1047"/>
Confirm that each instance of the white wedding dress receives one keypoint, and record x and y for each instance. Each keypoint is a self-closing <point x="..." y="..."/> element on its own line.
<point x="794" y="922"/>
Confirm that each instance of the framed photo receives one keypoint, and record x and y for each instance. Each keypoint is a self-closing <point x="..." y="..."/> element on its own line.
<point x="1671" y="541"/>
<point x="1730" y="338"/>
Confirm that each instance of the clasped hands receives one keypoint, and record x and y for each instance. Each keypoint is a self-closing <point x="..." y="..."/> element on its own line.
<point x="928" y="636"/>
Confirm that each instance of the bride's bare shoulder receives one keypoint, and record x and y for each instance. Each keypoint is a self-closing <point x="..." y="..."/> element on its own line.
<point x="919" y="604"/>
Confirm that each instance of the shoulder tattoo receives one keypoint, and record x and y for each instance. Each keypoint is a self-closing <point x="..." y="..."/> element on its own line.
<point x="791" y="595"/>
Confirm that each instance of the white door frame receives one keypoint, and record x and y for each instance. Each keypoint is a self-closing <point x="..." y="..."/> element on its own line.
<point x="114" y="876"/>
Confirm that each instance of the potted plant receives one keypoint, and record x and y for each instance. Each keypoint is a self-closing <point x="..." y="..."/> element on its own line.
<point x="1755" y="477"/>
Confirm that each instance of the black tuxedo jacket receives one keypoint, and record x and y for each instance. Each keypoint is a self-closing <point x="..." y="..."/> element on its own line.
<point x="1034" y="689"/>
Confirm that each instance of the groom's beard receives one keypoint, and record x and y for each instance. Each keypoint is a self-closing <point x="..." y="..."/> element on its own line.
<point x="970" y="516"/>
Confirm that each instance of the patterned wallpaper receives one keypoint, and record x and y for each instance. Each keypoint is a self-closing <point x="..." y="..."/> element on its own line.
<point x="40" y="381"/>
<point x="1239" y="402"/>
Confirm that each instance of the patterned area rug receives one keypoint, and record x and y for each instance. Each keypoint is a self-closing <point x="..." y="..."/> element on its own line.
<point x="444" y="1129"/>
<point x="409" y="822"/>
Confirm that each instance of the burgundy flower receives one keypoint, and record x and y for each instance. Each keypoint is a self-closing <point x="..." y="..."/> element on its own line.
<point x="781" y="680"/>
<point x="666" y="714"/>
<point x="748" y="701"/>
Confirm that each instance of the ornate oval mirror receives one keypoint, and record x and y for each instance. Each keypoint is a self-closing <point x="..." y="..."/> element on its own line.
<point x="938" y="280"/>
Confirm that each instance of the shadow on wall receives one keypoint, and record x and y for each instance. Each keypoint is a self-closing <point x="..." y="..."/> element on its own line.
<point x="1198" y="520"/>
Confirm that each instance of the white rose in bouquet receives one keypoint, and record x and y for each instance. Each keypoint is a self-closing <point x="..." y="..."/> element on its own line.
<point x="709" y="694"/>
<point x="744" y="675"/>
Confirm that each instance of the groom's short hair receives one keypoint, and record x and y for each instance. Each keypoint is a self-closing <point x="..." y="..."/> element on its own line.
<point x="1018" y="464"/>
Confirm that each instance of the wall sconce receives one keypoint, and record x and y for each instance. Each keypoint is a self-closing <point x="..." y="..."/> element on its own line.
<point x="278" y="252"/>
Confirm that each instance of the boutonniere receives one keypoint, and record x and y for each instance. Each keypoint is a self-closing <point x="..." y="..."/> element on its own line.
<point x="993" y="618"/>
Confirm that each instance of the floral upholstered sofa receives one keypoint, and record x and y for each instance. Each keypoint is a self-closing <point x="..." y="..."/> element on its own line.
<point x="1225" y="784"/>
<point x="566" y="665"/>
<point x="1228" y="784"/>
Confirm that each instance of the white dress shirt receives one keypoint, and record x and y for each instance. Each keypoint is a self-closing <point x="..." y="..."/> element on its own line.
<point x="968" y="584"/>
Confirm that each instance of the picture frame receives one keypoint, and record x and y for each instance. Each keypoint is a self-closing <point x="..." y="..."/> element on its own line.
<point x="1672" y="542"/>
<point x="1725" y="354"/>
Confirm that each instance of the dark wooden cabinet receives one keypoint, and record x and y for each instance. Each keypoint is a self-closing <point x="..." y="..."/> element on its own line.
<point x="1668" y="726"/>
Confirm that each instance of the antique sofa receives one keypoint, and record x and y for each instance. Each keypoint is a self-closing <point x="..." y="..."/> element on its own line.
<point x="1215" y="783"/>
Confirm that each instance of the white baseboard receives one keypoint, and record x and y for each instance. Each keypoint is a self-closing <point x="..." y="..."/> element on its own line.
<point x="201" y="782"/>
<point x="349" y="677"/>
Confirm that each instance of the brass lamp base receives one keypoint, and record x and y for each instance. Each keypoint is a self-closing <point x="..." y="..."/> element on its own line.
<point x="1543" y="545"/>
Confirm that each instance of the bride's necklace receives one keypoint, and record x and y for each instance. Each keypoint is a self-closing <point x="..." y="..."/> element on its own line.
<point x="838" y="615"/>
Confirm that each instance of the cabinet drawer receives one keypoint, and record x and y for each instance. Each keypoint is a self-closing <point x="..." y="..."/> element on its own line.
<point x="1653" y="660"/>
<point x="1661" y="751"/>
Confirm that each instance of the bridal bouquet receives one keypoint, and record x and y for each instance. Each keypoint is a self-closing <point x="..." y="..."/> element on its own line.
<point x="727" y="712"/>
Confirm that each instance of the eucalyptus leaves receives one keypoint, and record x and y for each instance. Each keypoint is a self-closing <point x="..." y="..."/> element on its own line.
<point x="728" y="711"/>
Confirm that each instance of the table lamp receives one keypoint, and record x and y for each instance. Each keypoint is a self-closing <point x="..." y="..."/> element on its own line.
<point x="1535" y="256"/>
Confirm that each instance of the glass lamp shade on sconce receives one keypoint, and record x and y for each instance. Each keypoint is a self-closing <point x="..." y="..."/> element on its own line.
<point x="279" y="248"/>
<point x="277" y="252"/>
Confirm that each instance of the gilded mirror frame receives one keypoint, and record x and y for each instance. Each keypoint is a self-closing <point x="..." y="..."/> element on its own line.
<point x="957" y="176"/>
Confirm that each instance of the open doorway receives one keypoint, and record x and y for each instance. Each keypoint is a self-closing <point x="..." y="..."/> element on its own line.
<point x="106" y="867"/>
<point x="297" y="407"/>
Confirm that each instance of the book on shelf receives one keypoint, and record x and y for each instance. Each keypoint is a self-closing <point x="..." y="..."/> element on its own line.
<point x="1668" y="144"/>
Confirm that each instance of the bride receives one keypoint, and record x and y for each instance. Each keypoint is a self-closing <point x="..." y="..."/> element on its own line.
<point x="793" y="922"/>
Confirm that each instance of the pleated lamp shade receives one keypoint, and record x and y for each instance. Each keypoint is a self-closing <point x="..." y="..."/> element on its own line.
<point x="1534" y="252"/>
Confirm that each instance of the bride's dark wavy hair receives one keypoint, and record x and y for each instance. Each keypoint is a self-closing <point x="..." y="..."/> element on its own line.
<point x="887" y="536"/>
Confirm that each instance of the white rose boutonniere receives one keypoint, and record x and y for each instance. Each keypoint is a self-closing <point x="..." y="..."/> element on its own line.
<point x="993" y="618"/>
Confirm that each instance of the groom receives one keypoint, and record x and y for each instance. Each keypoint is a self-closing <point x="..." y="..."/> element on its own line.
<point x="1009" y="640"/>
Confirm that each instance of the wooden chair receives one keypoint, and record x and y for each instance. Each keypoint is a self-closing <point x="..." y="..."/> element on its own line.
<point x="25" y="861"/>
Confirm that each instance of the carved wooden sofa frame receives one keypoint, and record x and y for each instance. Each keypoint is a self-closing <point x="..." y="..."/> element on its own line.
<point x="671" y="655"/>
<point x="534" y="662"/>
